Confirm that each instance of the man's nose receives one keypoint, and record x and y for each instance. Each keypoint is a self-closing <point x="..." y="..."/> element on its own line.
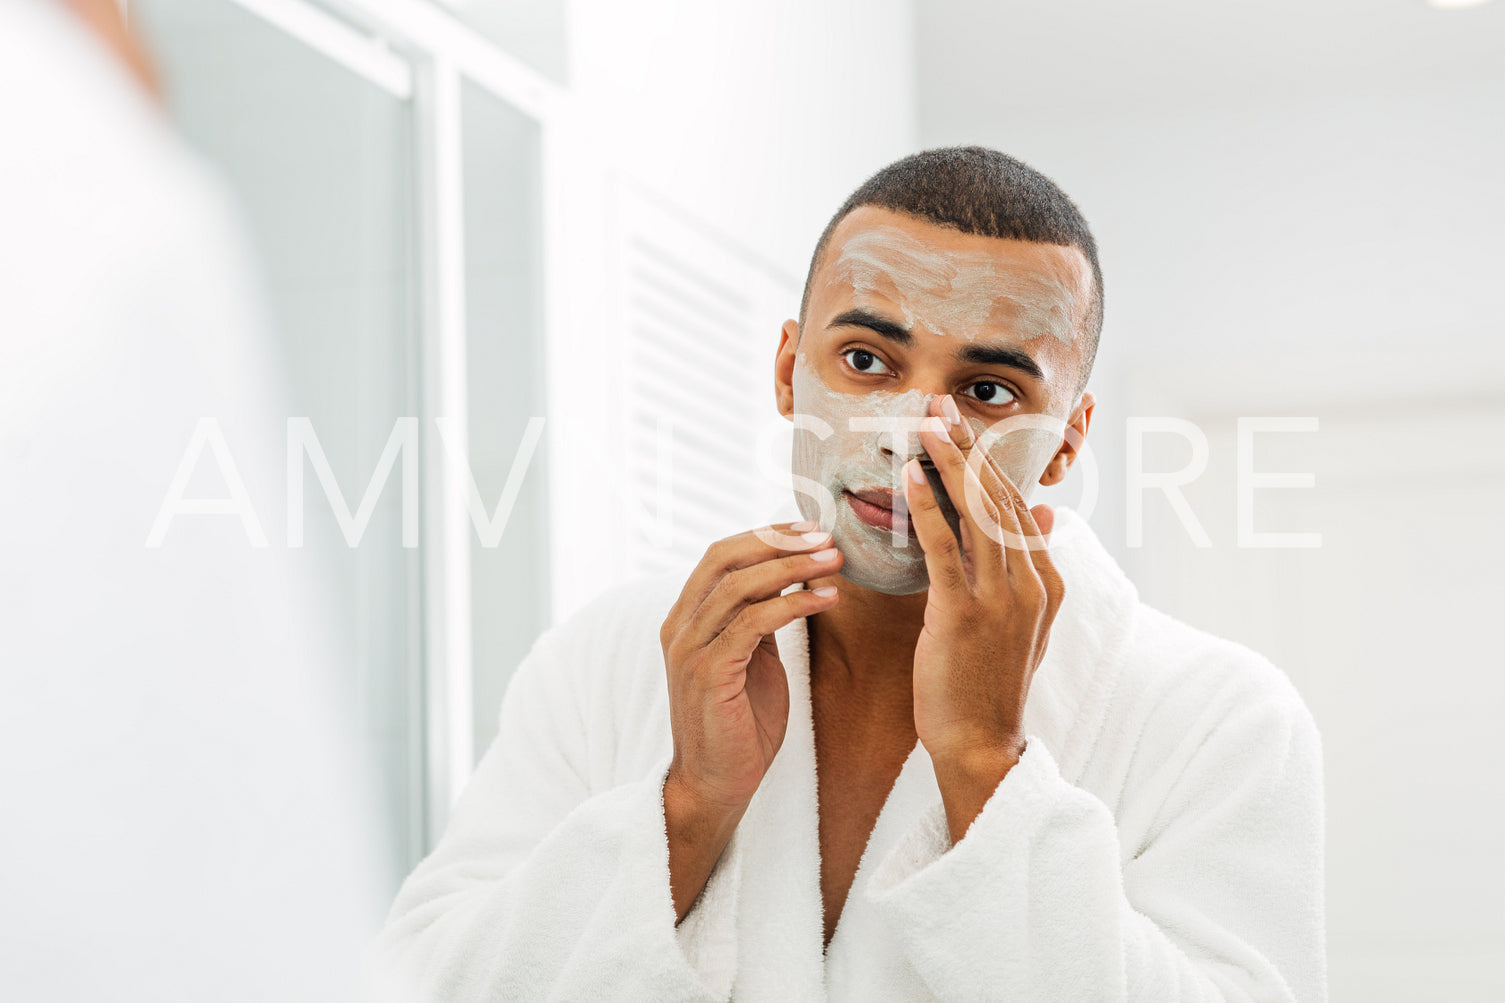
<point x="902" y="441"/>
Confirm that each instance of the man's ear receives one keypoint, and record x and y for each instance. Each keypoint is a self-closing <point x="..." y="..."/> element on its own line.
<point x="783" y="368"/>
<point x="1076" y="434"/>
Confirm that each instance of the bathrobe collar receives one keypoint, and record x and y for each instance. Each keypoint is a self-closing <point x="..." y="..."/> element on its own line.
<point x="776" y="849"/>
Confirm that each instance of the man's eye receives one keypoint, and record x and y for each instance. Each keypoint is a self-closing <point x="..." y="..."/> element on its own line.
<point x="990" y="392"/>
<point x="864" y="361"/>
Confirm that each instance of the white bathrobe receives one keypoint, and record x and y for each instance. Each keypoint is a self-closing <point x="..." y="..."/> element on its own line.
<point x="1160" y="840"/>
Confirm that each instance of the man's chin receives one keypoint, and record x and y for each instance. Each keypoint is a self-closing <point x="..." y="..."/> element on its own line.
<point x="899" y="572"/>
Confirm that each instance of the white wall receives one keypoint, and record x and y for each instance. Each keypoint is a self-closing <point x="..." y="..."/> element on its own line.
<point x="758" y="118"/>
<point x="1361" y="223"/>
<point x="1333" y="253"/>
<point x="755" y="121"/>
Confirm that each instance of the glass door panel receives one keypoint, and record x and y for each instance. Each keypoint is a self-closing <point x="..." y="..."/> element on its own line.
<point x="505" y="368"/>
<point x="320" y="157"/>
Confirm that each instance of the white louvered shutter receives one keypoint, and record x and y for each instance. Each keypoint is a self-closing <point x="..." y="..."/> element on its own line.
<point x="700" y="318"/>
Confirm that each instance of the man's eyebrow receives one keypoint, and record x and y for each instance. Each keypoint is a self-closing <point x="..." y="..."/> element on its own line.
<point x="990" y="355"/>
<point x="982" y="355"/>
<point x="878" y="325"/>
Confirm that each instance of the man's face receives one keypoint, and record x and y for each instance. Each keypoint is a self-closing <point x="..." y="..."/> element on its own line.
<point x="901" y="311"/>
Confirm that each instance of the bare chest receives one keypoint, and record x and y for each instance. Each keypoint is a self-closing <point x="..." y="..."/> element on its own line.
<point x="857" y="762"/>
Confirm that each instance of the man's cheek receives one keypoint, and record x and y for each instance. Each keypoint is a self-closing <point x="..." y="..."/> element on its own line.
<point x="1023" y="457"/>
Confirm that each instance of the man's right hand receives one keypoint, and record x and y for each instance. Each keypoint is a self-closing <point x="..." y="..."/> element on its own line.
<point x="728" y="695"/>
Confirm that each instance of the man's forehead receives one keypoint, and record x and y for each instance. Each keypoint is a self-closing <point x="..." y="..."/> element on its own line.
<point x="952" y="282"/>
<point x="861" y="222"/>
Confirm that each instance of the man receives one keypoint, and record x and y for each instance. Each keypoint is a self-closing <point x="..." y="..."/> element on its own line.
<point x="906" y="750"/>
<point x="186" y="817"/>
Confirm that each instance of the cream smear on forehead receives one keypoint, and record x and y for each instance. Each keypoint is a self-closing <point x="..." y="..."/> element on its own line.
<point x="831" y="457"/>
<point x="951" y="292"/>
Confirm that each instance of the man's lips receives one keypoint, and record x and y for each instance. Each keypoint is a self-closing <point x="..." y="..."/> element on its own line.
<point x="876" y="507"/>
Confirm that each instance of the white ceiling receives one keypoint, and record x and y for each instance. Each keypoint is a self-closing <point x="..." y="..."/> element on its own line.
<point x="1032" y="63"/>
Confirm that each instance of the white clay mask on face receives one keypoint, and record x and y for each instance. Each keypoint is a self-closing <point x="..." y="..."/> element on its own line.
<point x="954" y="293"/>
<point x="831" y="458"/>
<point x="856" y="444"/>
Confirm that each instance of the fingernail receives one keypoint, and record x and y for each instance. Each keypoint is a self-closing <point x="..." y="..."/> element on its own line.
<point x="915" y="473"/>
<point x="814" y="537"/>
<point x="948" y="408"/>
<point x="825" y="591"/>
<point x="829" y="554"/>
<point x="804" y="527"/>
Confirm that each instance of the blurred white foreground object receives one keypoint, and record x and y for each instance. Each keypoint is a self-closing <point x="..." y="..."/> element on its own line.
<point x="186" y="814"/>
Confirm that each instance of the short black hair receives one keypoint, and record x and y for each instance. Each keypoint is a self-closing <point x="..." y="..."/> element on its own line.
<point x="983" y="191"/>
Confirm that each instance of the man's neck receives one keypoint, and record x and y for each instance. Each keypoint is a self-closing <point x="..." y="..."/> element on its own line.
<point x="868" y="638"/>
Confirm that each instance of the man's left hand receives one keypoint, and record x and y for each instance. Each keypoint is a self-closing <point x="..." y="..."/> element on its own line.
<point x="992" y="599"/>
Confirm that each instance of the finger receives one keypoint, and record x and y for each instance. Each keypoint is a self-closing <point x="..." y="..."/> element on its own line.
<point x="744" y="587"/>
<point x="976" y="509"/>
<point x="1045" y="518"/>
<point x="950" y="459"/>
<point x="736" y="644"/>
<point x="1029" y="538"/>
<point x="965" y="437"/>
<point x="943" y="554"/>
<point x="960" y="429"/>
<point x="1037" y="535"/>
<point x="787" y="536"/>
<point x="1008" y="532"/>
<point x="1017" y="530"/>
<point x="1036" y="575"/>
<point x="740" y="551"/>
<point x="983" y="467"/>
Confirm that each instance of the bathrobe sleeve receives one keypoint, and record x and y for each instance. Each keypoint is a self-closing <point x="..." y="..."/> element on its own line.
<point x="540" y="888"/>
<point x="1212" y="891"/>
